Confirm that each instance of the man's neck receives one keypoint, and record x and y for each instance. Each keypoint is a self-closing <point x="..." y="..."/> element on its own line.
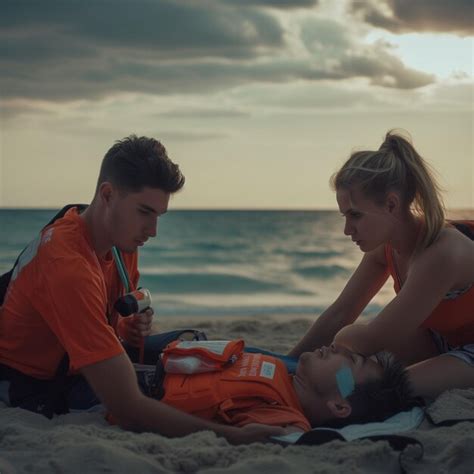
<point x="93" y="218"/>
<point x="313" y="409"/>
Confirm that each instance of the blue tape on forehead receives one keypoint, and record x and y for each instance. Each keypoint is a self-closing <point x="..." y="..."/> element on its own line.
<point x="345" y="381"/>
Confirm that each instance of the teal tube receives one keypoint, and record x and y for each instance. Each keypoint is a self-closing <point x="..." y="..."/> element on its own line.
<point x="121" y="269"/>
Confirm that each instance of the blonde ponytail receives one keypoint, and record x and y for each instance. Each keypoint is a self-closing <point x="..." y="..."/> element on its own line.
<point x="396" y="166"/>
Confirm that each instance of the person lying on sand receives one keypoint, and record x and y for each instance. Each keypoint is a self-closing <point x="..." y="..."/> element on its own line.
<point x="332" y="386"/>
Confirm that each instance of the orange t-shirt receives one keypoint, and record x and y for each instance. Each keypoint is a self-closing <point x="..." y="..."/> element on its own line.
<point x="256" y="389"/>
<point x="58" y="300"/>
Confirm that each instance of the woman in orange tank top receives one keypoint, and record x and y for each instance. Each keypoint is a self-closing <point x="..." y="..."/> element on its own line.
<point x="393" y="212"/>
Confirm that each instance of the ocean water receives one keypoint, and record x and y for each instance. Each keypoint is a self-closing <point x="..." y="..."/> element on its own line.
<point x="230" y="263"/>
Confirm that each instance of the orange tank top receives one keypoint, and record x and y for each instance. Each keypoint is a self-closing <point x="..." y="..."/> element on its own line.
<point x="453" y="318"/>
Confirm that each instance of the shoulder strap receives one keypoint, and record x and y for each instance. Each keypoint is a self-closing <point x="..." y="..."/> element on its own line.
<point x="4" y="282"/>
<point x="80" y="207"/>
<point x="392" y="266"/>
<point x="320" y="436"/>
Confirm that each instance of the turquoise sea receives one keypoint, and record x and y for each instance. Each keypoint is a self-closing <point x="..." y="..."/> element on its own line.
<point x="229" y="263"/>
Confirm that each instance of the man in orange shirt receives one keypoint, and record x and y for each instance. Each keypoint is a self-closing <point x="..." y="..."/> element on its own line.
<point x="61" y="295"/>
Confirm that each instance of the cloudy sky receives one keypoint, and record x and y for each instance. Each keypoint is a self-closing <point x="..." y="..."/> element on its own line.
<point x="259" y="101"/>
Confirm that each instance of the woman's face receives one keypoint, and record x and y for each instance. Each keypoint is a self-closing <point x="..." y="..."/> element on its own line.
<point x="368" y="224"/>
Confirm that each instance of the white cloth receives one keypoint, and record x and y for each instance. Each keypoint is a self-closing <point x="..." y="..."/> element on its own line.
<point x="399" y="423"/>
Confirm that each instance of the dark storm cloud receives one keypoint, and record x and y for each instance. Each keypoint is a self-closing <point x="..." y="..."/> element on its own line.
<point x="172" y="28"/>
<point x="285" y="4"/>
<point x="81" y="80"/>
<point x="456" y="16"/>
<point x="62" y="50"/>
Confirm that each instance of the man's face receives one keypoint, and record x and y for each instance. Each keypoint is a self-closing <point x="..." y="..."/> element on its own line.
<point x="315" y="378"/>
<point x="133" y="217"/>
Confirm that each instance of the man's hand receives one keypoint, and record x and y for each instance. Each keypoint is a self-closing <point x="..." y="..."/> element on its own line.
<point x="137" y="326"/>
<point x="253" y="433"/>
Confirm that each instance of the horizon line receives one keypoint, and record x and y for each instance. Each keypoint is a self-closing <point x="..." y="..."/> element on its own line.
<point x="296" y="209"/>
<point x="48" y="208"/>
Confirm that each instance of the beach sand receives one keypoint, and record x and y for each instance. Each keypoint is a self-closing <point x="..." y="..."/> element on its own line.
<point x="84" y="443"/>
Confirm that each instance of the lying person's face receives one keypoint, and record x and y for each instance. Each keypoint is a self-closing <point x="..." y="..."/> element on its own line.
<point x="316" y="380"/>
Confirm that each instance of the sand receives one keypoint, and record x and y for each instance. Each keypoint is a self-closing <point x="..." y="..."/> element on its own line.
<point x="84" y="443"/>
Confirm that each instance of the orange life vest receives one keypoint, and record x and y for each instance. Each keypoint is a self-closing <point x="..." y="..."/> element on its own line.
<point x="255" y="389"/>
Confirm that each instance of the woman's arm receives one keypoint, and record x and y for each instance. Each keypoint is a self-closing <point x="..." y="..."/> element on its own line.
<point x="430" y="277"/>
<point x="366" y="281"/>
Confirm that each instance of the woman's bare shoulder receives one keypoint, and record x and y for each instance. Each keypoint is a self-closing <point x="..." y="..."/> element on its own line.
<point x="452" y="252"/>
<point x="454" y="243"/>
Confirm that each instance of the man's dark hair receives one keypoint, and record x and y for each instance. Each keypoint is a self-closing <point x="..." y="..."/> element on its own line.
<point x="137" y="162"/>
<point x="380" y="398"/>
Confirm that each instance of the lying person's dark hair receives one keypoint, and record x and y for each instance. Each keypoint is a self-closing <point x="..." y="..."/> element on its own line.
<point x="380" y="398"/>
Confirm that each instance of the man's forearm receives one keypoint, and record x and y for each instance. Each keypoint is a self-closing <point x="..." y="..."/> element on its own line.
<point x="151" y="415"/>
<point x="115" y="383"/>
